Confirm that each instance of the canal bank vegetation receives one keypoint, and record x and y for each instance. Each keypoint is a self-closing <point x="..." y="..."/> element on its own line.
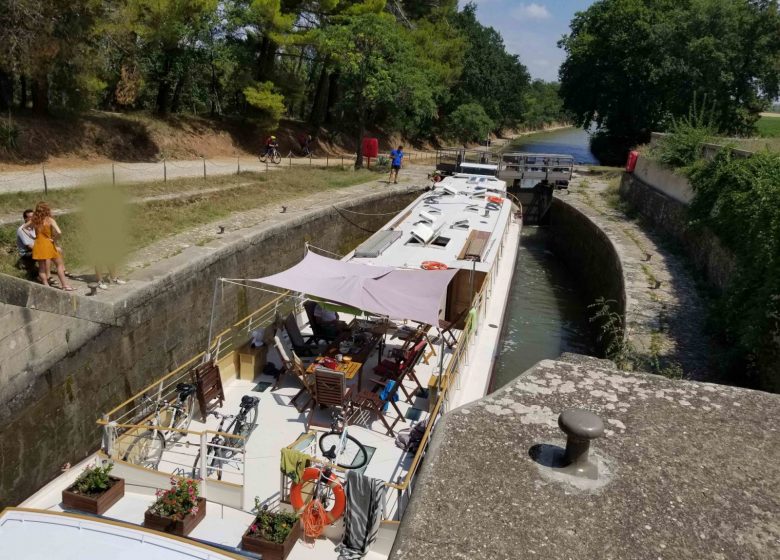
<point x="737" y="198"/>
<point x="144" y="223"/>
<point x="632" y="67"/>
<point x="346" y="66"/>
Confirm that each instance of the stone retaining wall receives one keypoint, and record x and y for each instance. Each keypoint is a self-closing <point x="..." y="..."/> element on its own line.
<point x="582" y="241"/>
<point x="80" y="358"/>
<point x="670" y="216"/>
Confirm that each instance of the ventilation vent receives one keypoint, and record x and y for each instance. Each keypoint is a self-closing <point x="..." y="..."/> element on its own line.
<point x="460" y="224"/>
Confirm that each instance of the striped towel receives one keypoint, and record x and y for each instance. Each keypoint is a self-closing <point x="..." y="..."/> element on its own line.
<point x="365" y="502"/>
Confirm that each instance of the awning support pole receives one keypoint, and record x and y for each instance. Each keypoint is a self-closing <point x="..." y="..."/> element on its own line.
<point x="207" y="357"/>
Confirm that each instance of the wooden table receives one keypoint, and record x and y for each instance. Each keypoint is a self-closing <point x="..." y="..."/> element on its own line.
<point x="349" y="369"/>
<point x="355" y="367"/>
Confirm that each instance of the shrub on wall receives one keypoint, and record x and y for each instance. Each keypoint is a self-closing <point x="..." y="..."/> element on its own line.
<point x="739" y="200"/>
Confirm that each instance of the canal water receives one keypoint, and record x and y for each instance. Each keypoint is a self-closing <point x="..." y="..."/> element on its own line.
<point x="571" y="141"/>
<point x="547" y="313"/>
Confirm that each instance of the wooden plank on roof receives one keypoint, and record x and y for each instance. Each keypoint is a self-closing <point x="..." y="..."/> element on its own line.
<point x="475" y="245"/>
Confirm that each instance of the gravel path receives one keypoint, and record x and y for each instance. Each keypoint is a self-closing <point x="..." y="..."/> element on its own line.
<point x="666" y="315"/>
<point x="32" y="179"/>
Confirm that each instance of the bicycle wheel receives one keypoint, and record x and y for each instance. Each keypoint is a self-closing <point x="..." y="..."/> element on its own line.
<point x="354" y="454"/>
<point x="276" y="157"/>
<point x="248" y="423"/>
<point x="183" y="415"/>
<point x="146" y="450"/>
<point x="263" y="157"/>
<point x="214" y="462"/>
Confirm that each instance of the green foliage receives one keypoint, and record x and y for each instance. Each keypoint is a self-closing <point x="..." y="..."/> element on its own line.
<point x="739" y="200"/>
<point x="274" y="527"/>
<point x="94" y="480"/>
<point x="543" y="105"/>
<point x="9" y="135"/>
<point x="632" y="65"/>
<point x="612" y="333"/>
<point x="180" y="500"/>
<point x="681" y="147"/>
<point x="769" y="127"/>
<point x="263" y="97"/>
<point x="491" y="77"/>
<point x="469" y="123"/>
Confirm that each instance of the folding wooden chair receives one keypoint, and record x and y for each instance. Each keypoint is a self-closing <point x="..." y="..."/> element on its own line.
<point x="330" y="390"/>
<point x="295" y="367"/>
<point x="402" y="368"/>
<point x="446" y="328"/>
<point x="375" y="403"/>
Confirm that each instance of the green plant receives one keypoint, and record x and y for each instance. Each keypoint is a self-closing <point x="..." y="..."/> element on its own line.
<point x="274" y="527"/>
<point x="94" y="480"/>
<point x="180" y="500"/>
<point x="612" y="333"/>
<point x="681" y="147"/>
<point x="9" y="135"/>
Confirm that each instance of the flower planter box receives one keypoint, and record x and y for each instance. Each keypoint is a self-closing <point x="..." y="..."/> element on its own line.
<point x="180" y="527"/>
<point x="270" y="550"/>
<point x="98" y="504"/>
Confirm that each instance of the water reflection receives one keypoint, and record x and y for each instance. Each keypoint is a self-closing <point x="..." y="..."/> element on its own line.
<point x="572" y="141"/>
<point x="546" y="313"/>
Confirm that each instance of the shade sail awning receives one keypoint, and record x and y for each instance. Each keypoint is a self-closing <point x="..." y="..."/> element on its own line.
<point x="399" y="294"/>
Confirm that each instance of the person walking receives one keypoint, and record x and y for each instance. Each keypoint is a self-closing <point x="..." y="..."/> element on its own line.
<point x="45" y="249"/>
<point x="396" y="157"/>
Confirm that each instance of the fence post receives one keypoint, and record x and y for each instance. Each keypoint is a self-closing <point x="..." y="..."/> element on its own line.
<point x="290" y="156"/>
<point x="45" y="182"/>
<point x="204" y="167"/>
<point x="266" y="166"/>
<point x="327" y="160"/>
<point x="113" y="175"/>
<point x="238" y="166"/>
<point x="165" y="171"/>
<point x="342" y="162"/>
<point x="309" y="159"/>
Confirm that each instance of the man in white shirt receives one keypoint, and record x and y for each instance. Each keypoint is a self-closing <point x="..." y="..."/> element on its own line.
<point x="329" y="321"/>
<point x="25" y="239"/>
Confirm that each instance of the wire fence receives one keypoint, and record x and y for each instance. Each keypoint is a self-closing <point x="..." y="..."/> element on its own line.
<point x="45" y="177"/>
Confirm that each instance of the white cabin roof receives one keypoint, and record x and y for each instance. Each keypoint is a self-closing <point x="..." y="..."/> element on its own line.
<point x="439" y="223"/>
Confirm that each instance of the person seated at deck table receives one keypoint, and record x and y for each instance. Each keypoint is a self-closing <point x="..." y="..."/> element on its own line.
<point x="329" y="321"/>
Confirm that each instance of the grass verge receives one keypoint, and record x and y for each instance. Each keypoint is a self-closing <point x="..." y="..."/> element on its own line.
<point x="148" y="222"/>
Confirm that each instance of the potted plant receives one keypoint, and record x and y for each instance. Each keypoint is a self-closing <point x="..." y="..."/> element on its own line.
<point x="94" y="490"/>
<point x="272" y="534"/>
<point x="177" y="510"/>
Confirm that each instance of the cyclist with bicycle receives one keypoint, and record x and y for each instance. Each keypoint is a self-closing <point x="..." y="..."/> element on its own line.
<point x="271" y="144"/>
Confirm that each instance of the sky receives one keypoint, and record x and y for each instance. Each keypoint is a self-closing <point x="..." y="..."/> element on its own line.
<point x="531" y="29"/>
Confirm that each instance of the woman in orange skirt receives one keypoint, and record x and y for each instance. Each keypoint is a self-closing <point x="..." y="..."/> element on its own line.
<point x="45" y="250"/>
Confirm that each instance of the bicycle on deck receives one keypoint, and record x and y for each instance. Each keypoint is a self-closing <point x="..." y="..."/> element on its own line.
<point x="222" y="448"/>
<point x="169" y="420"/>
<point x="319" y="496"/>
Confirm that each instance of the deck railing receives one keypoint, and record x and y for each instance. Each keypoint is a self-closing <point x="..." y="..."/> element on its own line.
<point x="448" y="382"/>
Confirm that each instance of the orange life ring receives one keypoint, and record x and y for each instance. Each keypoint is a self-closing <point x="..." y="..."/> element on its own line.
<point x="433" y="265"/>
<point x="310" y="476"/>
<point x="496" y="199"/>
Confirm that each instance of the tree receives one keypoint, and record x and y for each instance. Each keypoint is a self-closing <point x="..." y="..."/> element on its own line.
<point x="632" y="65"/>
<point x="469" y="123"/>
<point x="376" y="68"/>
<point x="491" y="77"/>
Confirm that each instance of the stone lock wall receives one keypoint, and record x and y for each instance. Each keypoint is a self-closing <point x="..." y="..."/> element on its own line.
<point x="71" y="363"/>
<point x="582" y="241"/>
<point x="670" y="216"/>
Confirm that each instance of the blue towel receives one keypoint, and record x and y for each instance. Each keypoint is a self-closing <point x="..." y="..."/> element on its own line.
<point x="386" y="392"/>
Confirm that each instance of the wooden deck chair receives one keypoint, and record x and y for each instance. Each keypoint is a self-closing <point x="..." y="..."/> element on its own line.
<point x="374" y="403"/>
<point x="446" y="328"/>
<point x="302" y="346"/>
<point x="330" y="390"/>
<point x="403" y="368"/>
<point x="294" y="366"/>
